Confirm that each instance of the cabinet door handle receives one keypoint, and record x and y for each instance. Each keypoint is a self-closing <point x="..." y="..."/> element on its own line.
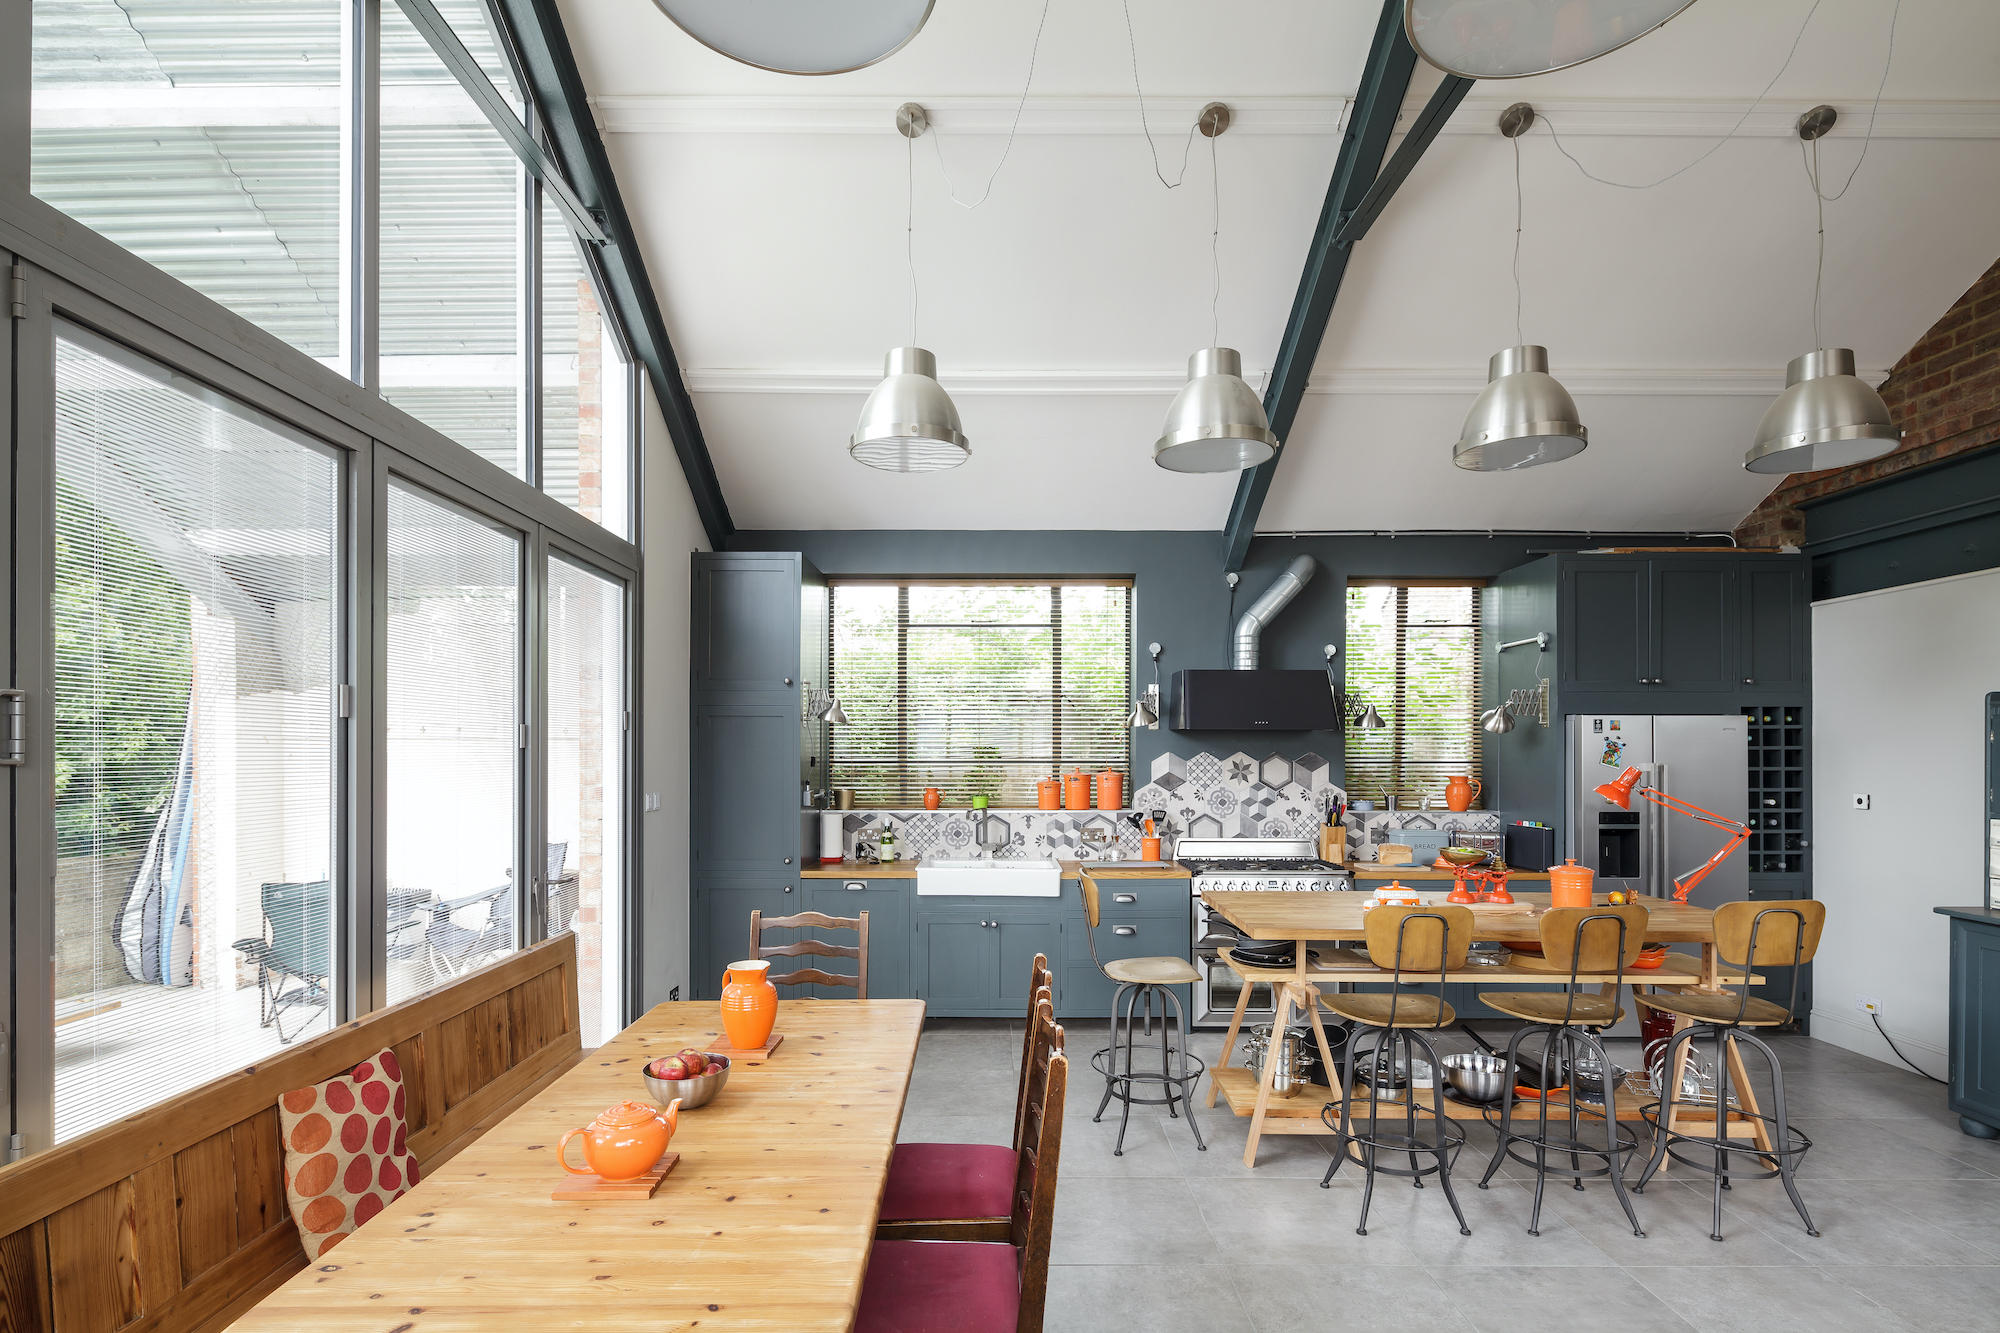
<point x="788" y="888"/>
<point x="788" y="680"/>
<point x="1748" y="681"/>
<point x="1124" y="930"/>
<point x="856" y="886"/>
<point x="1124" y="897"/>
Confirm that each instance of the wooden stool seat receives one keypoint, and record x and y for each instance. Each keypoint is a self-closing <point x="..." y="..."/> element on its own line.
<point x="1597" y="1011"/>
<point x="1152" y="971"/>
<point x="1705" y="1008"/>
<point x="1405" y="1010"/>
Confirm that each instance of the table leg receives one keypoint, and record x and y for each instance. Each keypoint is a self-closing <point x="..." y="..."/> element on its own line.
<point x="1746" y="1096"/>
<point x="1677" y="1074"/>
<point x="1711" y="967"/>
<point x="1235" y="1026"/>
<point x="1281" y="1017"/>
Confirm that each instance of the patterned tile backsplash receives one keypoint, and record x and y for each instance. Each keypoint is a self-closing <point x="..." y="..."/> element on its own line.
<point x="1205" y="796"/>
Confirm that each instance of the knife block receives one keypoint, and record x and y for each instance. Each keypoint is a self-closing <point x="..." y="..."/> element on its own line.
<point x="1333" y="843"/>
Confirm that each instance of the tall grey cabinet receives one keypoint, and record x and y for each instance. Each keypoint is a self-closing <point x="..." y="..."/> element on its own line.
<point x="759" y="650"/>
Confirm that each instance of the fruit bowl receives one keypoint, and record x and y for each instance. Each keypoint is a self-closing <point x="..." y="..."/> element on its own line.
<point x="1464" y="856"/>
<point x="691" y="1092"/>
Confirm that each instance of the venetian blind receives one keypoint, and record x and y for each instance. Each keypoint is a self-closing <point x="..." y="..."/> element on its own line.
<point x="978" y="689"/>
<point x="1413" y="652"/>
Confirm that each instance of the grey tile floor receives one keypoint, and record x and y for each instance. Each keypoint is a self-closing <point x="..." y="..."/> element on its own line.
<point x="1167" y="1238"/>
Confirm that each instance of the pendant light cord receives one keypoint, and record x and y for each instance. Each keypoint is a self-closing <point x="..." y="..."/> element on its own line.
<point x="1518" y="338"/>
<point x="910" y="226"/>
<point x="1819" y="211"/>
<point x="1214" y="242"/>
<point x="937" y="140"/>
<point x="1809" y="159"/>
<point x="1132" y="43"/>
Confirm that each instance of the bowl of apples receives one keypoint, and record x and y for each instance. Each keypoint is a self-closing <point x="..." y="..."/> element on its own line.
<point x="688" y="1076"/>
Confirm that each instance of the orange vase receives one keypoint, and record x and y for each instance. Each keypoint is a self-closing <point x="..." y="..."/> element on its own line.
<point x="1570" y="885"/>
<point x="749" y="1004"/>
<point x="1460" y="792"/>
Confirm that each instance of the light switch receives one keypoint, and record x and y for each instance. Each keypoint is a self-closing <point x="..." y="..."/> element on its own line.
<point x="652" y="800"/>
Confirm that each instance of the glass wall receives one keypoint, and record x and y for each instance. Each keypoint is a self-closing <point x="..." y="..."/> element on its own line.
<point x="206" y="139"/>
<point x="454" y="630"/>
<point x="194" y="617"/>
<point x="586" y="388"/>
<point x="586" y="730"/>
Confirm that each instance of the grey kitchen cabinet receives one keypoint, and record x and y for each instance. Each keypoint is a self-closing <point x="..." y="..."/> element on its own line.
<point x="890" y="931"/>
<point x="749" y="611"/>
<point x="1087" y="992"/>
<point x="1974" y="1087"/>
<point x="974" y="957"/>
<point x="1604" y="608"/>
<point x="721" y="906"/>
<point x="744" y="795"/>
<point x="1775" y="597"/>
<point x="1694" y="623"/>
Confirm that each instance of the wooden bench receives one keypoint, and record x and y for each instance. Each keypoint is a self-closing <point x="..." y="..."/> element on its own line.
<point x="174" y="1219"/>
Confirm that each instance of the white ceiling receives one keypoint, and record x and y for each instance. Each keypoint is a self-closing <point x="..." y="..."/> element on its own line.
<point x="771" y="212"/>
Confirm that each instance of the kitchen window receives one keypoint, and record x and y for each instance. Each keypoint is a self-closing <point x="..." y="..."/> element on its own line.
<point x="1413" y="652"/>
<point x="978" y="688"/>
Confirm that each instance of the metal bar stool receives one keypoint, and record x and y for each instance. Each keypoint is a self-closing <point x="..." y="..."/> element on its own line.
<point x="1137" y="977"/>
<point x="1425" y="940"/>
<point x="1788" y="939"/>
<point x="1576" y="940"/>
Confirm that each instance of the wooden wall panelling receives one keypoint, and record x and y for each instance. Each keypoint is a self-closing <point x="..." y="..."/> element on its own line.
<point x="257" y="1148"/>
<point x="205" y="1175"/>
<point x="410" y="1057"/>
<point x="492" y="1051"/>
<point x="155" y="1226"/>
<point x="24" y="1281"/>
<point x="83" y="1272"/>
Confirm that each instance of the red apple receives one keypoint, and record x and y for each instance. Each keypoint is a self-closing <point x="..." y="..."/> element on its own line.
<point x="671" y="1067"/>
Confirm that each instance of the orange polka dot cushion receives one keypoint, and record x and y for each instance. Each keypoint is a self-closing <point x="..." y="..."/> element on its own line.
<point x="345" y="1159"/>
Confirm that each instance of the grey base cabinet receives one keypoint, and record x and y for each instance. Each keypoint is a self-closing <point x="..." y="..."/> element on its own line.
<point x="1974" y="1092"/>
<point x="890" y="932"/>
<point x="721" y="913"/>
<point x="1087" y="992"/>
<point x="975" y="956"/>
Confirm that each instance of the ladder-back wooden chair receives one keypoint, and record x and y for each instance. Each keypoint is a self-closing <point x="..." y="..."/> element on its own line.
<point x="814" y="948"/>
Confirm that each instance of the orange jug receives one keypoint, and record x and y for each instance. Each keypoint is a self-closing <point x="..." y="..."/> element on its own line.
<point x="1460" y="792"/>
<point x="1076" y="791"/>
<point x="749" y="1004"/>
<point x="624" y="1141"/>
<point x="1110" y="790"/>
<point x="1570" y="884"/>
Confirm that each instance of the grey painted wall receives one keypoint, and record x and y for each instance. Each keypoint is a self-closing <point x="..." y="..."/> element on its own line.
<point x="1180" y="599"/>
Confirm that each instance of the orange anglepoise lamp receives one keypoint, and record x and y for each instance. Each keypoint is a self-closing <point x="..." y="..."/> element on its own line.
<point x="1619" y="792"/>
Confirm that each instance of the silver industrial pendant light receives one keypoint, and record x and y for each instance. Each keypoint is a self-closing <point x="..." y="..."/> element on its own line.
<point x="1523" y="417"/>
<point x="1512" y="39"/>
<point x="1216" y="423"/>
<point x="909" y="423"/>
<point x="1826" y="417"/>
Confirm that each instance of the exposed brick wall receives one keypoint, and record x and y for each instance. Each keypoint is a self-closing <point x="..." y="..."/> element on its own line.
<point x="1944" y="393"/>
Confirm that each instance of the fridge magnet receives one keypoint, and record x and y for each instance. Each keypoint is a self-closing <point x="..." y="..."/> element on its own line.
<point x="1614" y="753"/>
<point x="1615" y="726"/>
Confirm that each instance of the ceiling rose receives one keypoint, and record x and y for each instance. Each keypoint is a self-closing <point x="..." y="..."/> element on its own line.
<point x="801" y="36"/>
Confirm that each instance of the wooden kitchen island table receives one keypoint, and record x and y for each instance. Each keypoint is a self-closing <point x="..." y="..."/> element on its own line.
<point x="765" y="1223"/>
<point x="1305" y="918"/>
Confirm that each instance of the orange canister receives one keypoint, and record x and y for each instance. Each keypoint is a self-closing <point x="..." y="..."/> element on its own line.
<point x="1048" y="794"/>
<point x="1076" y="791"/>
<point x="1110" y="790"/>
<point x="1570" y="885"/>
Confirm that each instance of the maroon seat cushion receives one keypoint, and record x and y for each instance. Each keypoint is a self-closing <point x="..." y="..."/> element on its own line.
<point x="922" y="1286"/>
<point x="931" y="1182"/>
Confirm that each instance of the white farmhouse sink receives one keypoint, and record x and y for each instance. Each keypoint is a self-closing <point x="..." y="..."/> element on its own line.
<point x="964" y="877"/>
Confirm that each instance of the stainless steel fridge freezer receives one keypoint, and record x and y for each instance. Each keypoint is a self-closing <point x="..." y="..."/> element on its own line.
<point x="1703" y="760"/>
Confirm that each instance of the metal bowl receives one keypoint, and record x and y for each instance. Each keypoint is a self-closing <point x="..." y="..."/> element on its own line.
<point x="1464" y="856"/>
<point x="1475" y="1077"/>
<point x="691" y="1092"/>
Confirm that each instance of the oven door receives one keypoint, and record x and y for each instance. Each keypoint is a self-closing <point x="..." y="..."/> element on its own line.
<point x="1216" y="994"/>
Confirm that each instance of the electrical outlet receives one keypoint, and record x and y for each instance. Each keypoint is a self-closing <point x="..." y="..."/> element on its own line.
<point x="1868" y="1004"/>
<point x="1863" y="801"/>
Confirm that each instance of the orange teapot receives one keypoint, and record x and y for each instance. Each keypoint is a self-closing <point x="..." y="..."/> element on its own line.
<point x="1460" y="792"/>
<point x="623" y="1142"/>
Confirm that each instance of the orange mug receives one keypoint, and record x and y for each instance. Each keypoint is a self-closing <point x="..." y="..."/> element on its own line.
<point x="1460" y="792"/>
<point x="749" y="1004"/>
<point x="931" y="798"/>
<point x="624" y="1141"/>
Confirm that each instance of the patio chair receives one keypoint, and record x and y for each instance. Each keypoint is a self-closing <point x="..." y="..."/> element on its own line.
<point x="292" y="956"/>
<point x="455" y="948"/>
<point x="562" y="890"/>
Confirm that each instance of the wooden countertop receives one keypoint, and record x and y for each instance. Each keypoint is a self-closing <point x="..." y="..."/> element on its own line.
<point x="1338" y="916"/>
<point x="1371" y="870"/>
<point x="765" y="1223"/>
<point x="908" y="870"/>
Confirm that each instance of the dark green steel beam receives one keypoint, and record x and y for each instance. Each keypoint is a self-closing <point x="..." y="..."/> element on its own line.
<point x="1444" y="101"/>
<point x="579" y="150"/>
<point x="1385" y="80"/>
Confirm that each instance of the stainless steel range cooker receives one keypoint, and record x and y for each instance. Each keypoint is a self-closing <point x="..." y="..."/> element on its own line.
<point x="1278" y="865"/>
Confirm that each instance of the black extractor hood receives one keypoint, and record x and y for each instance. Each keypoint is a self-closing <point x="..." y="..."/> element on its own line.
<point x="1247" y="697"/>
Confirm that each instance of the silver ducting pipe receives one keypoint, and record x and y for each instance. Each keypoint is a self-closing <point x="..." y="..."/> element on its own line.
<point x="1250" y="628"/>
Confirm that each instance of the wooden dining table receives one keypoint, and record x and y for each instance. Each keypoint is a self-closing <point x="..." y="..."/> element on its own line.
<point x="765" y="1223"/>
<point x="1326" y="918"/>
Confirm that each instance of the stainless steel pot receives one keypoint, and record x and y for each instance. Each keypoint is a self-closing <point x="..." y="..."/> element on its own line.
<point x="1287" y="1080"/>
